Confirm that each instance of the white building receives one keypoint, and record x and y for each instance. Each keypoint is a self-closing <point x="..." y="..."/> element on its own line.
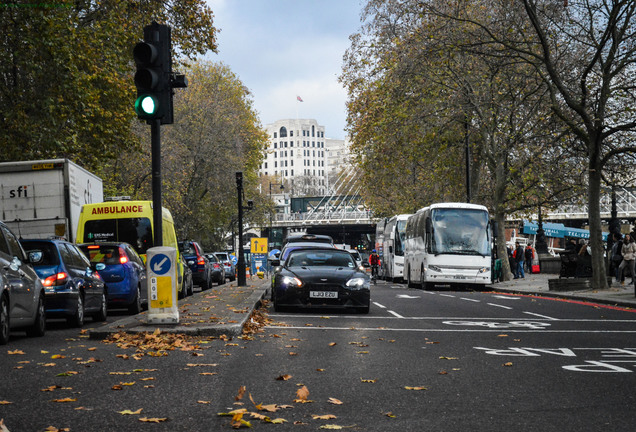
<point x="338" y="158"/>
<point x="296" y="155"/>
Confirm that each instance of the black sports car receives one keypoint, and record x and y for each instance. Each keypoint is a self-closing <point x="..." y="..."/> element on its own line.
<point x="318" y="277"/>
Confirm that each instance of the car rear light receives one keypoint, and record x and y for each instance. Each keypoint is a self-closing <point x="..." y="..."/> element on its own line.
<point x="93" y="247"/>
<point x="200" y="260"/>
<point x="216" y="265"/>
<point x="56" y="279"/>
<point x="123" y="259"/>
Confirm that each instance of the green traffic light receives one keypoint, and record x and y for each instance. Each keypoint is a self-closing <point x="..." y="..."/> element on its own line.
<point x="146" y="105"/>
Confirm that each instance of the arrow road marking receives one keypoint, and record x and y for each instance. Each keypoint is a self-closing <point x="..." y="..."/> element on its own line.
<point x="158" y="266"/>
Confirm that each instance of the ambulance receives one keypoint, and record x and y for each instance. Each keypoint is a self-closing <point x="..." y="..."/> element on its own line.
<point x="130" y="222"/>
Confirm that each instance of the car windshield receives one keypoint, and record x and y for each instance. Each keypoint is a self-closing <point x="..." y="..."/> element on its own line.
<point x="222" y="256"/>
<point x="315" y="258"/>
<point x="49" y="252"/>
<point x="212" y="258"/>
<point x="108" y="255"/>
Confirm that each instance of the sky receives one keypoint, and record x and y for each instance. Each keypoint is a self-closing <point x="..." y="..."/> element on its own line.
<point x="284" y="49"/>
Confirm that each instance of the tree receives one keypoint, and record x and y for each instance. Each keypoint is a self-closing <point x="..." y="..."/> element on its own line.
<point x="66" y="73"/>
<point x="585" y="53"/>
<point x="420" y="75"/>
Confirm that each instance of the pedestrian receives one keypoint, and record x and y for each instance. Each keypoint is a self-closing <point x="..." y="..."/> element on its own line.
<point x="571" y="246"/>
<point x="519" y="258"/>
<point x="529" y="257"/>
<point x="628" y="250"/>
<point x="512" y="262"/>
<point x="616" y="255"/>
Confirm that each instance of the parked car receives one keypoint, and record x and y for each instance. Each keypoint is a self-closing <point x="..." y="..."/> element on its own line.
<point x="73" y="288"/>
<point x="187" y="286"/>
<point x="356" y="255"/>
<point x="218" y="270"/>
<point x="230" y="268"/>
<point x="320" y="277"/>
<point x="198" y="263"/>
<point x="124" y="274"/>
<point x="21" y="290"/>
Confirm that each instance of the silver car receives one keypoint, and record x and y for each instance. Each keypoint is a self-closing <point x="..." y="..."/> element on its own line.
<point x="230" y="268"/>
<point x="21" y="290"/>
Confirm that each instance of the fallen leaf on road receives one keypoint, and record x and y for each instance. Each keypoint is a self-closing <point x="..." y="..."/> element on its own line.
<point x="16" y="352"/>
<point x="203" y="402"/>
<point x="334" y="401"/>
<point x="64" y="400"/>
<point x="390" y="414"/>
<point x="415" y="388"/>
<point x="333" y="344"/>
<point x="129" y="412"/>
<point x="4" y="402"/>
<point x="507" y="364"/>
<point x="241" y="393"/>
<point x="368" y="380"/>
<point x="323" y="417"/>
<point x="284" y="377"/>
<point x="153" y="419"/>
<point x="448" y="358"/>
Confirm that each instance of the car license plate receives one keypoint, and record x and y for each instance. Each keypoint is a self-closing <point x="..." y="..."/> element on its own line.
<point x="459" y="277"/>
<point x="323" y="294"/>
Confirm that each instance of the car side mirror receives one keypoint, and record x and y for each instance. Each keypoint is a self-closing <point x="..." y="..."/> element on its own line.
<point x="275" y="262"/>
<point x="100" y="266"/>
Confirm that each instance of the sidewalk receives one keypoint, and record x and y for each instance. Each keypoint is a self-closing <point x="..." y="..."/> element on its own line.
<point x="222" y="310"/>
<point x="537" y="284"/>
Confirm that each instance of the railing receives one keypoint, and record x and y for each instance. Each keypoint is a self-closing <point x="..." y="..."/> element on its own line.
<point x="325" y="217"/>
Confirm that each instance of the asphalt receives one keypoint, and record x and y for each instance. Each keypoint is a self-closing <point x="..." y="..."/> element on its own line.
<point x="224" y="310"/>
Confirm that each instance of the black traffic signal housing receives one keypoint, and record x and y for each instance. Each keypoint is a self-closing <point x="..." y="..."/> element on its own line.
<point x="154" y="72"/>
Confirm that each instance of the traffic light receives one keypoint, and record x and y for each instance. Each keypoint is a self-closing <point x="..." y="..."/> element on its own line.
<point x="153" y="76"/>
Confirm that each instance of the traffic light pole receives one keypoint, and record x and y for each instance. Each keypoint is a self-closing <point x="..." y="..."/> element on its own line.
<point x="240" y="265"/>
<point x="155" y="142"/>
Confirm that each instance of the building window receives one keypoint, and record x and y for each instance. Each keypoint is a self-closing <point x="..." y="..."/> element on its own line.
<point x="291" y="143"/>
<point x="313" y="131"/>
<point x="275" y="145"/>
<point x="283" y="132"/>
<point x="291" y="153"/>
<point x="291" y="133"/>
<point x="275" y="164"/>
<point x="265" y="164"/>
<point x="292" y="172"/>
<point x="313" y="143"/>
<point x="274" y="134"/>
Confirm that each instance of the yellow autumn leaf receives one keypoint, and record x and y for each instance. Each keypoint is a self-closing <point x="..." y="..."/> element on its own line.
<point x="153" y="419"/>
<point x="334" y="401"/>
<point x="129" y="412"/>
<point x="331" y="427"/>
<point x="415" y="388"/>
<point x="58" y="356"/>
<point x="4" y="402"/>
<point x="284" y="377"/>
<point x="278" y="421"/>
<point x="203" y="402"/>
<point x="323" y="417"/>
<point x="368" y="380"/>
<point x="68" y="399"/>
<point x="302" y="393"/>
<point x="507" y="364"/>
<point x="16" y="352"/>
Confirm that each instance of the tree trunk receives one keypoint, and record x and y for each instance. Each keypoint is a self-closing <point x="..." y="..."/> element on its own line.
<point x="502" y="252"/>
<point x="599" y="280"/>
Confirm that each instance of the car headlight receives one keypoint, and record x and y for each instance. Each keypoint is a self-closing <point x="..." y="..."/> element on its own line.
<point x="358" y="283"/>
<point x="435" y="268"/>
<point x="484" y="269"/>
<point x="291" y="281"/>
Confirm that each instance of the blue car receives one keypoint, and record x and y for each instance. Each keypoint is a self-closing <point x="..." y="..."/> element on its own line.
<point x="124" y="274"/>
<point x="73" y="289"/>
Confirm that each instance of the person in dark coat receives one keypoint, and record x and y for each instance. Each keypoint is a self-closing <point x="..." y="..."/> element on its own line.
<point x="519" y="258"/>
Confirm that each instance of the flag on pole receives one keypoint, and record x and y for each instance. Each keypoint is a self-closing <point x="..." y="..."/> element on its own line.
<point x="299" y="99"/>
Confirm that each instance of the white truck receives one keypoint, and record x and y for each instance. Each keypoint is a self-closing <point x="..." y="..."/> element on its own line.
<point x="43" y="198"/>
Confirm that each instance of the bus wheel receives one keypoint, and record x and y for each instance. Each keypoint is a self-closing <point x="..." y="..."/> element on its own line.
<point x="408" y="279"/>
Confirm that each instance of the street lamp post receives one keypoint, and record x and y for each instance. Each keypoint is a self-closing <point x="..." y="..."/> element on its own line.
<point x="271" y="215"/>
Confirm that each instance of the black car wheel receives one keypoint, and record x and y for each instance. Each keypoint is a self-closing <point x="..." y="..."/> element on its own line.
<point x="39" y="325"/>
<point x="135" y="307"/>
<point x="4" y="320"/>
<point x="77" y="319"/>
<point x="102" y="314"/>
<point x="190" y="288"/>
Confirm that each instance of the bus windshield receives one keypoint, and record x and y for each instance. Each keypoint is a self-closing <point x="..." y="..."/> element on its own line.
<point x="399" y="238"/>
<point x="460" y="231"/>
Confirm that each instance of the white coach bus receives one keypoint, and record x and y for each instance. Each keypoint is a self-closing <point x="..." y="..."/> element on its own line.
<point x="393" y="262"/>
<point x="448" y="244"/>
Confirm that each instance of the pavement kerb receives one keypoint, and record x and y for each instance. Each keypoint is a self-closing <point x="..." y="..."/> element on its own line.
<point x="136" y="323"/>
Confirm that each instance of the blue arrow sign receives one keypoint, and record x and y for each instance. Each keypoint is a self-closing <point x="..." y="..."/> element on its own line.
<point x="160" y="264"/>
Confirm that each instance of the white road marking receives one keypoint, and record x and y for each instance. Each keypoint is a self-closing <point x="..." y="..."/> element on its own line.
<point x="447" y="295"/>
<point x="469" y="299"/>
<point x="406" y="296"/>
<point x="507" y="297"/>
<point x="397" y="315"/>
<point x="541" y="316"/>
<point x="447" y="330"/>
<point x="500" y="306"/>
<point x="379" y="305"/>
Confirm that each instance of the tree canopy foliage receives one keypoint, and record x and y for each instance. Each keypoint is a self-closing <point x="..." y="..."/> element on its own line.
<point x="66" y="73"/>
